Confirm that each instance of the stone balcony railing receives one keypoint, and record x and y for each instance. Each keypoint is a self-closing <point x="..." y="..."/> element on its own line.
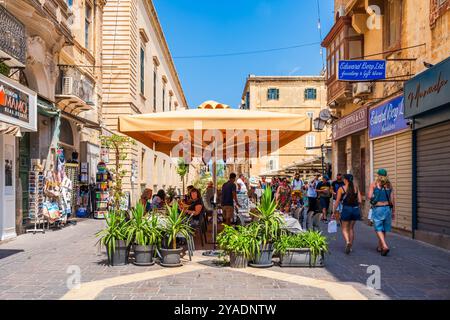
<point x="12" y="39"/>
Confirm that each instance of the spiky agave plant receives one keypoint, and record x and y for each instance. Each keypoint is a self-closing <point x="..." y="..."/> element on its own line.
<point x="115" y="230"/>
<point x="141" y="229"/>
<point x="271" y="222"/>
<point x="176" y="223"/>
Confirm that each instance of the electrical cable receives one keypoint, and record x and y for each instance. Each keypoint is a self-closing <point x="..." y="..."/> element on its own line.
<point x="246" y="52"/>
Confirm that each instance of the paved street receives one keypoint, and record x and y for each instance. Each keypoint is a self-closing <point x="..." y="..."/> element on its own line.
<point x="35" y="267"/>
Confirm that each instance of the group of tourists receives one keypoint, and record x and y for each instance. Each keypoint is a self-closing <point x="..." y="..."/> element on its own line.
<point x="321" y="199"/>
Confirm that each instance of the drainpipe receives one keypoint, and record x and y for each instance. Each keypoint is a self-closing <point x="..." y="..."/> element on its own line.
<point x="414" y="181"/>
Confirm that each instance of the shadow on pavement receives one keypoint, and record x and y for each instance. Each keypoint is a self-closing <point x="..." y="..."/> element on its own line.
<point x="4" y="253"/>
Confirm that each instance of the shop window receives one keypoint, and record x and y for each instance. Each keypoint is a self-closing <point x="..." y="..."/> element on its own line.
<point x="393" y="24"/>
<point x="273" y="94"/>
<point x="310" y="141"/>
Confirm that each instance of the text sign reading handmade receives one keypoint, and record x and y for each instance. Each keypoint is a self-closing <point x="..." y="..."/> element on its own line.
<point x="387" y="118"/>
<point x="362" y="70"/>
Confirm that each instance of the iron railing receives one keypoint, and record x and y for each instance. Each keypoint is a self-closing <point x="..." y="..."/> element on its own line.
<point x="12" y="36"/>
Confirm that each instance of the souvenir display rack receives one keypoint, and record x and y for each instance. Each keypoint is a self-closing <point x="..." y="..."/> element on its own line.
<point x="72" y="171"/>
<point x="102" y="193"/>
<point x="84" y="197"/>
<point x="36" y="199"/>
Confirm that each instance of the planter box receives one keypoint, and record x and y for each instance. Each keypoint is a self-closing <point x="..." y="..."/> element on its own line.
<point x="238" y="261"/>
<point x="300" y="258"/>
<point x="143" y="255"/>
<point x="171" y="257"/>
<point x="120" y="255"/>
<point x="264" y="260"/>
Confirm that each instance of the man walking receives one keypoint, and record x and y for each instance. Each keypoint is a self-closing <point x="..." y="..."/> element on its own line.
<point x="335" y="186"/>
<point x="241" y="186"/>
<point x="323" y="189"/>
<point x="297" y="187"/>
<point x="312" y="221"/>
<point x="229" y="199"/>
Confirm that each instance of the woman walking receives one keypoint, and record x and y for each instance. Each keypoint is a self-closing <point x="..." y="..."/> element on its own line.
<point x="283" y="196"/>
<point x="351" y="199"/>
<point x="381" y="195"/>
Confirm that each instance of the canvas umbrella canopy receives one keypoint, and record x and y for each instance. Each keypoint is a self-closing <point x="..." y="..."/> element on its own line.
<point x="266" y="131"/>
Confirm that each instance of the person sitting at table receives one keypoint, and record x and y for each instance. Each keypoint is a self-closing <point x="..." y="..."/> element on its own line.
<point x="146" y="199"/>
<point x="159" y="200"/>
<point x="196" y="207"/>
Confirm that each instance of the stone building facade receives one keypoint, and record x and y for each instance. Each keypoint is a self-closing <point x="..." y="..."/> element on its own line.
<point x="139" y="77"/>
<point x="302" y="95"/>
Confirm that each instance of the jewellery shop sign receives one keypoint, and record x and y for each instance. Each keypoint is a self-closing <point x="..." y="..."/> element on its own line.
<point x="18" y="105"/>
<point x="354" y="122"/>
<point x="387" y="118"/>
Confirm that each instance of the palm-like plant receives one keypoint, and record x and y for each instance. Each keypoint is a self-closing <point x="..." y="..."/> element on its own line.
<point x="270" y="221"/>
<point x="115" y="230"/>
<point x="177" y="223"/>
<point x="142" y="230"/>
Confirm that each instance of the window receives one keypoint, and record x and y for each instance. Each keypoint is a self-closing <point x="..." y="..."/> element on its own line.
<point x="247" y="100"/>
<point x="170" y="102"/>
<point x="310" y="141"/>
<point x="392" y="24"/>
<point x="87" y="27"/>
<point x="142" y="71"/>
<point x="310" y="94"/>
<point x="273" y="94"/>
<point x="164" y="97"/>
<point x="310" y="114"/>
<point x="155" y="79"/>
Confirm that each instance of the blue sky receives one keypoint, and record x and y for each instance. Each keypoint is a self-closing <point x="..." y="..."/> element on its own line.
<point x="204" y="27"/>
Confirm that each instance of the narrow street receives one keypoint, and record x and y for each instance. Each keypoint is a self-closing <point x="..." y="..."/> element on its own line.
<point x="36" y="267"/>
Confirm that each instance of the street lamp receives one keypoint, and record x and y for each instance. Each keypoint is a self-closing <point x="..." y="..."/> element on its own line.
<point x="319" y="124"/>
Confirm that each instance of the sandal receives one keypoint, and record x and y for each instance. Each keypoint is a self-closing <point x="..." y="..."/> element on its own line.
<point x="379" y="250"/>
<point x="385" y="252"/>
<point x="348" y="248"/>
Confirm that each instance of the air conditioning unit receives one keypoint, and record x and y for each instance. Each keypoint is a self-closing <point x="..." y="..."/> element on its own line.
<point x="361" y="89"/>
<point x="67" y="85"/>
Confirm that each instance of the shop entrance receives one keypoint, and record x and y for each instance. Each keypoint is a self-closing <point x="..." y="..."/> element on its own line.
<point x="24" y="169"/>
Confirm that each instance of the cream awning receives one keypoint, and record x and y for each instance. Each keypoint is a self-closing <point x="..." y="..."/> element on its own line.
<point x="155" y="130"/>
<point x="10" y="129"/>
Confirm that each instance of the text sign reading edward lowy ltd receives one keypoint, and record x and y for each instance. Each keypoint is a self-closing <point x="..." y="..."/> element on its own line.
<point x="387" y="118"/>
<point x="362" y="70"/>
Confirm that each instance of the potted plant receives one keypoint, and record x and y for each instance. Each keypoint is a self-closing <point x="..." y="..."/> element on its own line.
<point x="113" y="237"/>
<point x="268" y="228"/>
<point x="144" y="233"/>
<point x="302" y="250"/>
<point x="176" y="224"/>
<point x="239" y="244"/>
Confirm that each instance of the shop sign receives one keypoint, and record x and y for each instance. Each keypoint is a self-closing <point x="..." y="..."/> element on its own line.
<point x="18" y="104"/>
<point x="387" y="118"/>
<point x="428" y="90"/>
<point x="362" y="70"/>
<point x="350" y="124"/>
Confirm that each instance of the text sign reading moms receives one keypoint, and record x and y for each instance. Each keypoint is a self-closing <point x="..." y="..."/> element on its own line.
<point x="362" y="70"/>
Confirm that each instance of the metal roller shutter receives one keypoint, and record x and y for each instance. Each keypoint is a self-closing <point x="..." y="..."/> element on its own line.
<point x="395" y="155"/>
<point x="433" y="179"/>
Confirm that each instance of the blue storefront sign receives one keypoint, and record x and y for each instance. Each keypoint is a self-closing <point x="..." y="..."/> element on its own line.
<point x="362" y="70"/>
<point x="387" y="118"/>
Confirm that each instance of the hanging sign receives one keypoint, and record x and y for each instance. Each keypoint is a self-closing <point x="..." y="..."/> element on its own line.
<point x="18" y="104"/>
<point x="387" y="118"/>
<point x="354" y="122"/>
<point x="362" y="70"/>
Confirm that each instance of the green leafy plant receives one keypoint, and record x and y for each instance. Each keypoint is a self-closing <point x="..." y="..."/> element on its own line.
<point x="119" y="145"/>
<point x="241" y="241"/>
<point x="182" y="170"/>
<point x="317" y="244"/>
<point x="312" y="240"/>
<point x="176" y="223"/>
<point x="141" y="229"/>
<point x="270" y="221"/>
<point x="116" y="226"/>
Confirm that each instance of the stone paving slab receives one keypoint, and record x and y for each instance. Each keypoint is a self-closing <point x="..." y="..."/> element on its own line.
<point x="35" y="267"/>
